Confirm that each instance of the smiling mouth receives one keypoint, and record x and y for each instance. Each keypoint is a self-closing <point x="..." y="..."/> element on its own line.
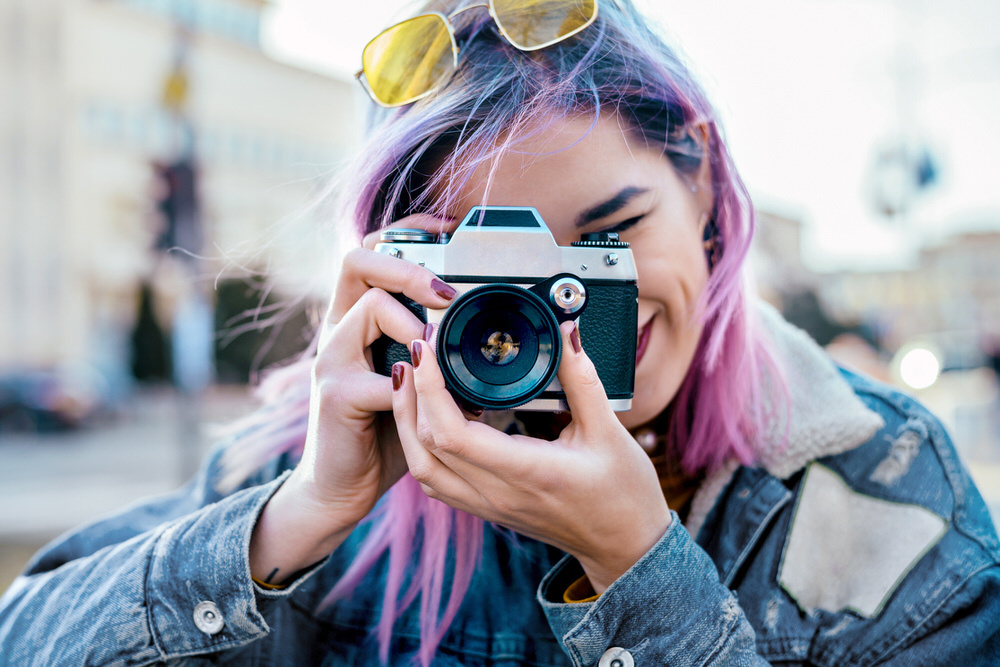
<point x="642" y="340"/>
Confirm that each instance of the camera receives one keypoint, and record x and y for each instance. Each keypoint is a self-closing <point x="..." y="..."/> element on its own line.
<point x="498" y="342"/>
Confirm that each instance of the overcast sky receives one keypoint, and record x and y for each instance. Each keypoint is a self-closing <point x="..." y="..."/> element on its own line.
<point x="808" y="90"/>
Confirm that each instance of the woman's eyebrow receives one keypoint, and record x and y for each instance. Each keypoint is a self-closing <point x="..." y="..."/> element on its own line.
<point x="613" y="205"/>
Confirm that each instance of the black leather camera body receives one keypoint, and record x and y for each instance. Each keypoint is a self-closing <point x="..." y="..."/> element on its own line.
<point x="498" y="342"/>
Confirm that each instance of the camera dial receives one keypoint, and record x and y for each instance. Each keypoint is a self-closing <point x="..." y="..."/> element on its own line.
<point x="600" y="240"/>
<point x="403" y="235"/>
<point x="568" y="295"/>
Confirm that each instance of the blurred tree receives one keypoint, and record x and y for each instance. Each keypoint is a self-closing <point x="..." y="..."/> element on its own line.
<point x="150" y="351"/>
<point x="255" y="330"/>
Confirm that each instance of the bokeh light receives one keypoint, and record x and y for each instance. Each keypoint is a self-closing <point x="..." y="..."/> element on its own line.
<point x="919" y="366"/>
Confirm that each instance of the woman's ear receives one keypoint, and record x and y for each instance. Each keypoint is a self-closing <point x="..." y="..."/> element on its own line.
<point x="701" y="179"/>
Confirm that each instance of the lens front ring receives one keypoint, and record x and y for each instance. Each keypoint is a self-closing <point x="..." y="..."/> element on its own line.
<point x="498" y="346"/>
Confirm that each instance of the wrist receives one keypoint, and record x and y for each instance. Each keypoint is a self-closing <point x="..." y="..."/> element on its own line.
<point x="605" y="568"/>
<point x="295" y="531"/>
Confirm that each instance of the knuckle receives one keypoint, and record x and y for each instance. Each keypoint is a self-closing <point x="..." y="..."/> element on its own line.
<point x="451" y="442"/>
<point x="425" y="435"/>
<point x="507" y="506"/>
<point x="329" y="390"/>
<point x="430" y="492"/>
<point x="589" y="379"/>
<point x="354" y="259"/>
<point x="415" y="275"/>
<point x="421" y="471"/>
<point x="375" y="299"/>
<point x="323" y="369"/>
<point x="371" y="238"/>
<point x="546" y="479"/>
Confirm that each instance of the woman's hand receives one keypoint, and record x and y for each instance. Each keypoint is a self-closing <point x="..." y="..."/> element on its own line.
<point x="592" y="492"/>
<point x="351" y="454"/>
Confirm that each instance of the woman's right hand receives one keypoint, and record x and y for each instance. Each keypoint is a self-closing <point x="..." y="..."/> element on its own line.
<point x="352" y="454"/>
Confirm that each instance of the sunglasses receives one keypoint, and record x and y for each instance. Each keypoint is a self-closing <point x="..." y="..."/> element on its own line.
<point x="414" y="58"/>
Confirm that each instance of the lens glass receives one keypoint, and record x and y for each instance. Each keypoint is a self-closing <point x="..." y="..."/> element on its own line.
<point x="406" y="61"/>
<point x="498" y="346"/>
<point x="534" y="24"/>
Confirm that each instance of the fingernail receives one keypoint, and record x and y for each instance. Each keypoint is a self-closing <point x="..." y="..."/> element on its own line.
<point x="428" y="331"/>
<point x="443" y="289"/>
<point x="415" y="352"/>
<point x="574" y="337"/>
<point x="472" y="409"/>
<point x="397" y="376"/>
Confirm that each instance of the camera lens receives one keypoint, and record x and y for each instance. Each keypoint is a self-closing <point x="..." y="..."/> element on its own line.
<point x="498" y="346"/>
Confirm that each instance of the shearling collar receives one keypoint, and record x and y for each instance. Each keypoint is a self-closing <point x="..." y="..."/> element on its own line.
<point x="825" y="416"/>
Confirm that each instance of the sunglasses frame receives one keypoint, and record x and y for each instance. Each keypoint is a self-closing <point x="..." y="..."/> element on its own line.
<point x="363" y="80"/>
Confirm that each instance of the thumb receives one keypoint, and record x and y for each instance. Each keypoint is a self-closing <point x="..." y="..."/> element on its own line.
<point x="588" y="403"/>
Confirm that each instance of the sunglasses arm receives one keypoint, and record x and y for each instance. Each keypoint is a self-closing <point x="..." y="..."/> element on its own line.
<point x="360" y="77"/>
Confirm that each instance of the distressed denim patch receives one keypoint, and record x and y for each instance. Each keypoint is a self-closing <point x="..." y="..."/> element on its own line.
<point x="848" y="550"/>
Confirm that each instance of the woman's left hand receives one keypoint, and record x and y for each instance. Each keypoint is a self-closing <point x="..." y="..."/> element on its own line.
<point x="592" y="492"/>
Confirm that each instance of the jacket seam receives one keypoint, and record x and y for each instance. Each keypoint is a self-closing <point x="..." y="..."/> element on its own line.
<point x="728" y="637"/>
<point x="146" y="591"/>
<point x="926" y="617"/>
<point x="932" y="424"/>
<point x="764" y="525"/>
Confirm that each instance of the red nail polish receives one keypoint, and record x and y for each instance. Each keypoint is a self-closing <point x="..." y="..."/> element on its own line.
<point x="443" y="289"/>
<point x="397" y="376"/>
<point x="473" y="410"/>
<point x="428" y="331"/>
<point x="415" y="352"/>
<point x="574" y="337"/>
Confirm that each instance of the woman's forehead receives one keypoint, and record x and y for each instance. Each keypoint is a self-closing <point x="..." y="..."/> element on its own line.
<point x="564" y="163"/>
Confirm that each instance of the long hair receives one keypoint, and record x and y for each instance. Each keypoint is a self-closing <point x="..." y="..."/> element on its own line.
<point x="416" y="160"/>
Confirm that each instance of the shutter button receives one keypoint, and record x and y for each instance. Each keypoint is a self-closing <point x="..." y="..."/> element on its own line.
<point x="208" y="618"/>
<point x="616" y="657"/>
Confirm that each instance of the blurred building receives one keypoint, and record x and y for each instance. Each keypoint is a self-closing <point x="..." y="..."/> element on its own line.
<point x="776" y="256"/>
<point x="93" y="93"/>
<point x="951" y="298"/>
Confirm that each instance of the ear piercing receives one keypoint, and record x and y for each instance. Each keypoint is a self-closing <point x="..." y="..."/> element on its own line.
<point x="711" y="241"/>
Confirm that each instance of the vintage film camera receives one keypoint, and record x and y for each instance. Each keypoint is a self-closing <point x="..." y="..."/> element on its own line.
<point x="498" y="342"/>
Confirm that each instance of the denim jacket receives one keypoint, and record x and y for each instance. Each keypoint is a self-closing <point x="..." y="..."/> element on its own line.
<point x="859" y="539"/>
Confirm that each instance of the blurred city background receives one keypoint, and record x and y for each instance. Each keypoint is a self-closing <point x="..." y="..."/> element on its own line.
<point x="158" y="250"/>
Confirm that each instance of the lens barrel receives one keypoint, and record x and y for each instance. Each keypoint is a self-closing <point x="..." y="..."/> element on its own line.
<point x="498" y="346"/>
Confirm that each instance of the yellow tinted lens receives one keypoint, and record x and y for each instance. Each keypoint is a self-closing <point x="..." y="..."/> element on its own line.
<point x="533" y="24"/>
<point x="409" y="59"/>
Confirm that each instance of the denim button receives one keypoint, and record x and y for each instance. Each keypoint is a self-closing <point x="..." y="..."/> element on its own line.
<point x="208" y="618"/>
<point x="616" y="657"/>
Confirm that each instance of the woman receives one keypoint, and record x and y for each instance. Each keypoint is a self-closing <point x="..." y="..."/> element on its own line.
<point x="754" y="505"/>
